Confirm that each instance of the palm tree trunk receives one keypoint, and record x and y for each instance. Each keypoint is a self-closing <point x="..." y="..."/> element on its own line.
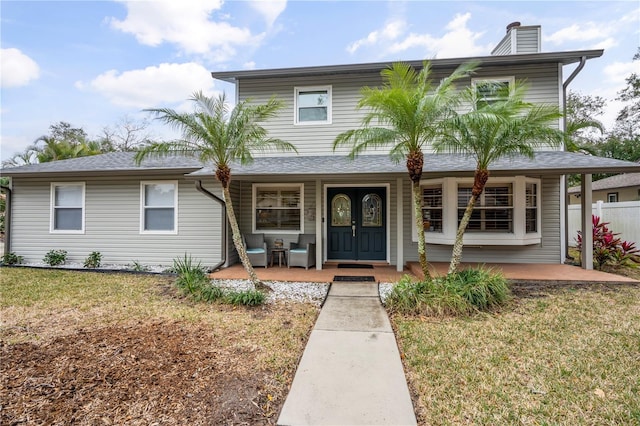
<point x="237" y="239"/>
<point x="422" y="247"/>
<point x="480" y="177"/>
<point x="456" y="253"/>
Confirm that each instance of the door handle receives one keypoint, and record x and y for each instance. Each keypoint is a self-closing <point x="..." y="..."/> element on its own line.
<point x="353" y="230"/>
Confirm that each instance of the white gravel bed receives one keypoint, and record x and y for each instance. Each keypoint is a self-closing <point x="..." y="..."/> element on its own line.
<point x="103" y="267"/>
<point x="305" y="292"/>
<point x="384" y="289"/>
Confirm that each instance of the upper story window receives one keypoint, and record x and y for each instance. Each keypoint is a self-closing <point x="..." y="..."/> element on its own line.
<point x="67" y="207"/>
<point x="278" y="208"/>
<point x="158" y="207"/>
<point x="489" y="90"/>
<point x="313" y="105"/>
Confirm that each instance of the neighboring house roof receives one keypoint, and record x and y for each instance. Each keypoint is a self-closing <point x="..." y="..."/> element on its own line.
<point x="563" y="58"/>
<point x="123" y="163"/>
<point x="617" y="181"/>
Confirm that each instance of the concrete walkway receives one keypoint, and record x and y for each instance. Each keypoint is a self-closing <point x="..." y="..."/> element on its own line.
<point x="350" y="372"/>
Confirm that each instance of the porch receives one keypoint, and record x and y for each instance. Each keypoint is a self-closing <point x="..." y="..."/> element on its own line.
<point x="382" y="272"/>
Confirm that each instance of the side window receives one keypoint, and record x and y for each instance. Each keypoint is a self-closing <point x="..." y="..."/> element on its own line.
<point x="158" y="207"/>
<point x="312" y="105"/>
<point x="67" y="207"/>
<point x="490" y="90"/>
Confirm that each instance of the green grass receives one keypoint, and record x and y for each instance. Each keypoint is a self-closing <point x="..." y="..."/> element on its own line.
<point x="566" y="357"/>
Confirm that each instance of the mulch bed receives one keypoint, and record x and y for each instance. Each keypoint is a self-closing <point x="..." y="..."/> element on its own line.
<point x="164" y="373"/>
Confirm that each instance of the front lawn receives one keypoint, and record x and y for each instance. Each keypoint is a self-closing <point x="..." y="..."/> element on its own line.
<point x="555" y="356"/>
<point x="92" y="348"/>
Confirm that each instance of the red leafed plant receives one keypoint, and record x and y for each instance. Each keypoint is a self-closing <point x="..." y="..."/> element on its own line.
<point x="607" y="247"/>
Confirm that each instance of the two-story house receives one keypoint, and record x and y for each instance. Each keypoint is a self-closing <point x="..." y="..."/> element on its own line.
<point x="359" y="210"/>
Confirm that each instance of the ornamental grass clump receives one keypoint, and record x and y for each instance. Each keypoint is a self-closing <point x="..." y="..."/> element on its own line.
<point x="459" y="294"/>
<point x="193" y="281"/>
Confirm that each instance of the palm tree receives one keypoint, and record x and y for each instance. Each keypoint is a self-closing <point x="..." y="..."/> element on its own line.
<point x="215" y="133"/>
<point x="506" y="127"/>
<point x="406" y="113"/>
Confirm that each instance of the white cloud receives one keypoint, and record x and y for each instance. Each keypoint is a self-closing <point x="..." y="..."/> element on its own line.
<point x="580" y="32"/>
<point x="187" y="24"/>
<point x="458" y="40"/>
<point x="17" y="69"/>
<point x="251" y="65"/>
<point x="152" y="86"/>
<point x="390" y="32"/>
<point x="270" y="9"/>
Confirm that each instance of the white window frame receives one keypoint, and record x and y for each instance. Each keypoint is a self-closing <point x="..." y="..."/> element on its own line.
<point x="510" y="80"/>
<point x="612" y="197"/>
<point x="519" y="236"/>
<point x="276" y="186"/>
<point x="174" y="231"/>
<point x="52" y="191"/>
<point x="298" y="90"/>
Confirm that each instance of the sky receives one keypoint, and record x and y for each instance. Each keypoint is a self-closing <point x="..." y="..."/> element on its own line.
<point x="96" y="63"/>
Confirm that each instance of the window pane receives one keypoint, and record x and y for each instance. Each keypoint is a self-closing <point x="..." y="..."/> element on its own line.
<point x="159" y="194"/>
<point x="68" y="196"/>
<point x="319" y="98"/>
<point x="341" y="210"/>
<point x="274" y="219"/>
<point x="67" y="219"/>
<point x="372" y="210"/>
<point x="313" y="114"/>
<point x="158" y="219"/>
<point x="531" y="220"/>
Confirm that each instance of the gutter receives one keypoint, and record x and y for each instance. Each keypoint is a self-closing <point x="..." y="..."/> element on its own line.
<point x="220" y="201"/>
<point x="7" y="220"/>
<point x="565" y="85"/>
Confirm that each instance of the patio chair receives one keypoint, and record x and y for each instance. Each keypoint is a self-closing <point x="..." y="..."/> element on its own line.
<point x="256" y="248"/>
<point x="303" y="252"/>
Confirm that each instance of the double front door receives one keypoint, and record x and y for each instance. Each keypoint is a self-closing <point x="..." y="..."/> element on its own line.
<point x="356" y="228"/>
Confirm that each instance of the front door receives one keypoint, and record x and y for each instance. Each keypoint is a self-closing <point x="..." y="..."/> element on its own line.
<point x="356" y="227"/>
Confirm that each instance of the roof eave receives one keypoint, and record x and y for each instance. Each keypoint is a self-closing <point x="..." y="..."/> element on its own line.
<point x="564" y="58"/>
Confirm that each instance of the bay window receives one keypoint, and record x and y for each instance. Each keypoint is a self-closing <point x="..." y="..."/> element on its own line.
<point x="508" y="212"/>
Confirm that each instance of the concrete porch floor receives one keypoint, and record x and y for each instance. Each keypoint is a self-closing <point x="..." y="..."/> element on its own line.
<point x="518" y="272"/>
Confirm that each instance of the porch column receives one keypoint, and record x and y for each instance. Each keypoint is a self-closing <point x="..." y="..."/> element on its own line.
<point x="587" y="232"/>
<point x="399" y="226"/>
<point x="319" y="249"/>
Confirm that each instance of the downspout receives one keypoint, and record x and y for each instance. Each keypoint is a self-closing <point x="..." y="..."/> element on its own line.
<point x="7" y="220"/>
<point x="220" y="201"/>
<point x="565" y="85"/>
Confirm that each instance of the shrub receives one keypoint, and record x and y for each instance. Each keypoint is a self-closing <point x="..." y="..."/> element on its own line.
<point x="93" y="260"/>
<point x="11" y="259"/>
<point x="607" y="247"/>
<point x="192" y="280"/>
<point x="246" y="297"/>
<point x="139" y="267"/>
<point x="55" y="257"/>
<point x="462" y="293"/>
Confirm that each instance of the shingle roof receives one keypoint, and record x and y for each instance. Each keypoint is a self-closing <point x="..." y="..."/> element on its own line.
<point x="113" y="162"/>
<point x="546" y="162"/>
<point x="564" y="58"/>
<point x="617" y="181"/>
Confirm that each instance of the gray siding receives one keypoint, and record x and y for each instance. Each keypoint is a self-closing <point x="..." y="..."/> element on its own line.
<point x="527" y="39"/>
<point x="318" y="139"/>
<point x="547" y="251"/>
<point x="112" y="224"/>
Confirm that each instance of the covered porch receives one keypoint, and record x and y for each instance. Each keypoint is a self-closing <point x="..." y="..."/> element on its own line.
<point x="515" y="272"/>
